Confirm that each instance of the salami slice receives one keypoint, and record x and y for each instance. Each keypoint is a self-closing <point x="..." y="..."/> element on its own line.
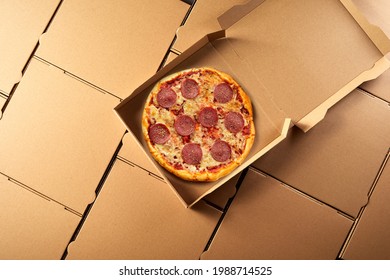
<point x="159" y="133"/>
<point x="223" y="93"/>
<point x="192" y="153"/>
<point x="166" y="97"/>
<point x="189" y="88"/>
<point x="234" y="122"/>
<point x="184" y="125"/>
<point x="208" y="117"/>
<point x="221" y="151"/>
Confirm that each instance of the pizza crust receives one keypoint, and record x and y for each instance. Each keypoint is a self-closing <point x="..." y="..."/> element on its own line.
<point x="194" y="175"/>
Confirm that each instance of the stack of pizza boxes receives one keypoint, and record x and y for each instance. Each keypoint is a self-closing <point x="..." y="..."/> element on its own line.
<point x="71" y="144"/>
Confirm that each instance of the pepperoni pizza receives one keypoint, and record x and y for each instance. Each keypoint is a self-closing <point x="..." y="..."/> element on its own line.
<point x="198" y="124"/>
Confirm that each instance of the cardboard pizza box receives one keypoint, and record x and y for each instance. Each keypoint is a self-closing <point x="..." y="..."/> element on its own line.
<point x="132" y="153"/>
<point x="336" y="161"/>
<point x="136" y="216"/>
<point x="293" y="68"/>
<point x="32" y="226"/>
<point x="22" y="23"/>
<point x="370" y="238"/>
<point x="270" y="220"/>
<point x="114" y="46"/>
<point x="201" y="20"/>
<point x="58" y="135"/>
<point x="378" y="13"/>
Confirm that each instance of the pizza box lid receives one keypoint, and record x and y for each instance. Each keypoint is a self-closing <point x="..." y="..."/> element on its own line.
<point x="291" y="59"/>
<point x="370" y="239"/>
<point x="128" y="221"/>
<point x="32" y="226"/>
<point x="22" y="23"/>
<point x="43" y="143"/>
<point x="264" y="215"/>
<point x="88" y="37"/>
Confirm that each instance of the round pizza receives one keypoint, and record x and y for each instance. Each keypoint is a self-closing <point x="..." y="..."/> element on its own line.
<point x="198" y="124"/>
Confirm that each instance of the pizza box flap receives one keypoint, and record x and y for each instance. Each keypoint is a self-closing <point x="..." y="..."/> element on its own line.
<point x="22" y="23"/>
<point x="129" y="221"/>
<point x="286" y="81"/>
<point x="113" y="46"/>
<point x="201" y="20"/>
<point x="31" y="226"/>
<point x="58" y="135"/>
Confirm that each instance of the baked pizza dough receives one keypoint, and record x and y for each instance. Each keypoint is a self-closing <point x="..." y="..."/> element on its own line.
<point x="198" y="124"/>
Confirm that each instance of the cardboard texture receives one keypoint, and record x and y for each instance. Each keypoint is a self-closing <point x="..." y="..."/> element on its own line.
<point x="145" y="221"/>
<point x="23" y="21"/>
<point x="380" y="87"/>
<point x="378" y="13"/>
<point x="32" y="227"/>
<point x="371" y="238"/>
<point x="268" y="220"/>
<point x="337" y="161"/>
<point x="287" y="79"/>
<point x="58" y="135"/>
<point x="202" y="20"/>
<point x="132" y="153"/>
<point x="129" y="39"/>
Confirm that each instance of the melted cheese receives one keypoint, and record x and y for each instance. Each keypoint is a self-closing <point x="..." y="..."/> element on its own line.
<point x="191" y="107"/>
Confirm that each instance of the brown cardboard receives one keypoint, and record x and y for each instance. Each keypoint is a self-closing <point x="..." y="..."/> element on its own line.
<point x="23" y="21"/>
<point x="137" y="216"/>
<point x="337" y="161"/>
<point x="133" y="154"/>
<point x="380" y="87"/>
<point x="32" y="227"/>
<point x="371" y="239"/>
<point x="58" y="135"/>
<point x="274" y="66"/>
<point x="202" y="20"/>
<point x="112" y="45"/>
<point x="378" y="13"/>
<point x="269" y="220"/>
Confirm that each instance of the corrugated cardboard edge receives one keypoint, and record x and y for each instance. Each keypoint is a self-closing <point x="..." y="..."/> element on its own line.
<point x="311" y="119"/>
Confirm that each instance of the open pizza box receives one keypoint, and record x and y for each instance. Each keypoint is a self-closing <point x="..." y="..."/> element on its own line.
<point x="294" y="59"/>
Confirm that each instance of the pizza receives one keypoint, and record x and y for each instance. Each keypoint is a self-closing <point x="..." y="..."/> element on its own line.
<point x="198" y="124"/>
